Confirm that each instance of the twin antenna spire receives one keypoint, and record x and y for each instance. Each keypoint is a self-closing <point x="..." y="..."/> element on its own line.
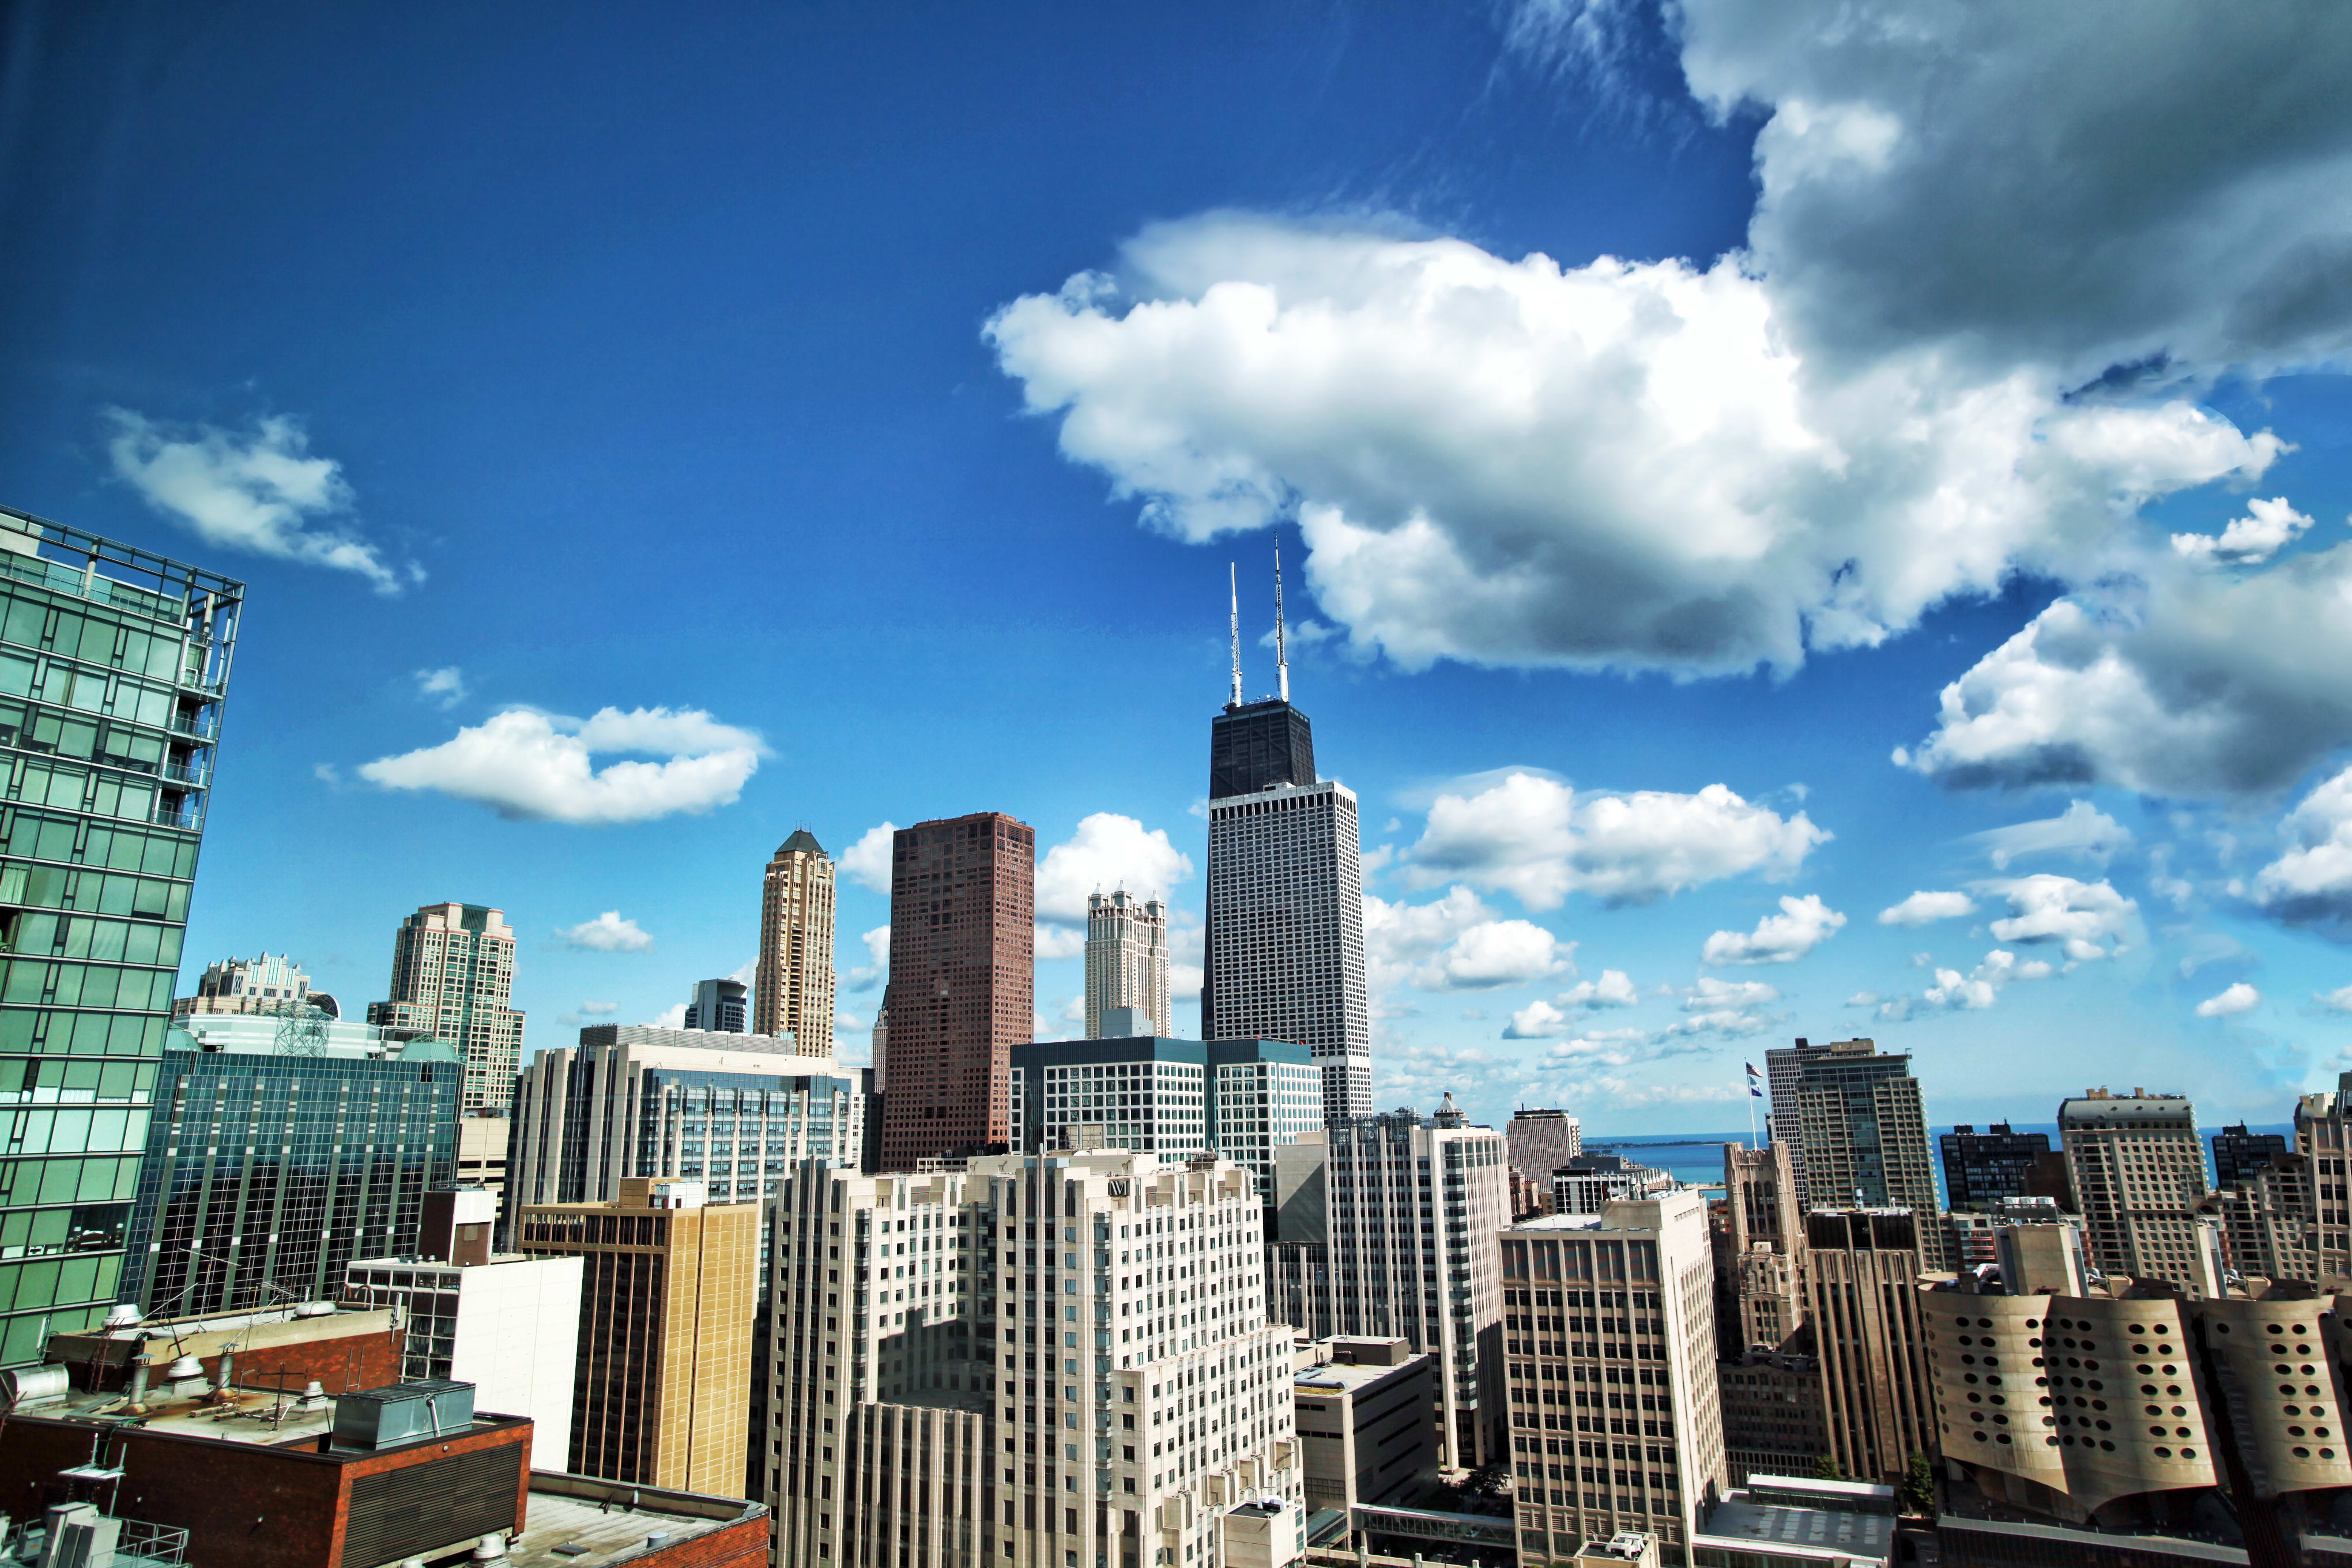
<point x="1281" y="644"/>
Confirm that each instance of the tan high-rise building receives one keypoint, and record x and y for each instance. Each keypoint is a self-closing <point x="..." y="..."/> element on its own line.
<point x="1127" y="961"/>
<point x="668" y="1303"/>
<point x="2138" y="1172"/>
<point x="1616" y="1420"/>
<point x="792" y="993"/>
<point x="1862" y="1273"/>
<point x="962" y="991"/>
<point x="452" y="979"/>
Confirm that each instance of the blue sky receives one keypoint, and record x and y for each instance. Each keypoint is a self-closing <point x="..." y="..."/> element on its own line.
<point x="1734" y="476"/>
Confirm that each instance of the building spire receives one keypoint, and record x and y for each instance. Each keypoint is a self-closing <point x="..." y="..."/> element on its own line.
<point x="1233" y="590"/>
<point x="1281" y="651"/>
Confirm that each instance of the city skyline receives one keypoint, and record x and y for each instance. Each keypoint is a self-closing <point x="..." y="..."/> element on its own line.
<point x="1735" y="748"/>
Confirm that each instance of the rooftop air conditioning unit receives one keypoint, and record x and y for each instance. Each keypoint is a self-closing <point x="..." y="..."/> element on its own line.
<point x="375" y="1418"/>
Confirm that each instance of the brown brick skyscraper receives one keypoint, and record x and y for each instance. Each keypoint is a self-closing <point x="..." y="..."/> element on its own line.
<point x="963" y="983"/>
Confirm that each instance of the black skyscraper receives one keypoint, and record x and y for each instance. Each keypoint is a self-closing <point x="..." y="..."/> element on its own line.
<point x="1255" y="745"/>
<point x="2238" y="1154"/>
<point x="1980" y="1167"/>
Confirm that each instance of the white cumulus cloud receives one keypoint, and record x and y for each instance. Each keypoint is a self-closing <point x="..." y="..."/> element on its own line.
<point x="1613" y="989"/>
<point x="1053" y="941"/>
<point x="867" y="861"/>
<point x="2184" y="684"/>
<point x="527" y="765"/>
<point x="877" y="967"/>
<point x="1540" y="840"/>
<point x="1108" y="852"/>
<point x="608" y="932"/>
<point x="2083" y="918"/>
<point x="2268" y="527"/>
<point x="1493" y="953"/>
<point x="2237" y="998"/>
<point x="1956" y="992"/>
<point x="2311" y="882"/>
<point x="1477" y="449"/>
<point x="1926" y="908"/>
<point x="1802" y="925"/>
<point x="2336" y="1001"/>
<point x="1539" y="1020"/>
<point x="1711" y="994"/>
<point x="258" y="491"/>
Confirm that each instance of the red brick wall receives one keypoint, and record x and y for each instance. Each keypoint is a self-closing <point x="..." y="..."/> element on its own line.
<point x="743" y="1545"/>
<point x="243" y="1504"/>
<point x="343" y="1362"/>
<point x="355" y="1360"/>
<point x="271" y="1508"/>
<point x="518" y="1432"/>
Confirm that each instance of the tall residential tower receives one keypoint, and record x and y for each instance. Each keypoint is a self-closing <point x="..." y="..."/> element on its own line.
<point x="1127" y="962"/>
<point x="113" y="663"/>
<point x="452" y="978"/>
<point x="792" y="992"/>
<point x="1285" y="952"/>
<point x="962" y="989"/>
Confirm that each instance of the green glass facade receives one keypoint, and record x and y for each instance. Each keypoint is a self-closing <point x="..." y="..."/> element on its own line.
<point x="113" y="663"/>
<point x="268" y="1169"/>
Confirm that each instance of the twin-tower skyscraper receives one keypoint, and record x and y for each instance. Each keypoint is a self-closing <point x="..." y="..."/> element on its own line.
<point x="1285" y="952"/>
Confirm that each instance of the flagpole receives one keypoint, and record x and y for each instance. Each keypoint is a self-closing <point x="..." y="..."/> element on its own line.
<point x="1750" y="1098"/>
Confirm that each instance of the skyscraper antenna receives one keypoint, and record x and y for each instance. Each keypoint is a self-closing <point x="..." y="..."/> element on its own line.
<point x="1281" y="650"/>
<point x="1232" y="589"/>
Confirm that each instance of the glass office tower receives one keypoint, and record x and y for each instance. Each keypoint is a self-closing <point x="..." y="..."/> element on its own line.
<point x="274" y="1158"/>
<point x="113" y="663"/>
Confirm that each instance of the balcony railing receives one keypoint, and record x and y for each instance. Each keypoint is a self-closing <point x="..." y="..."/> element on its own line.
<point x="190" y="820"/>
<point x="202" y="729"/>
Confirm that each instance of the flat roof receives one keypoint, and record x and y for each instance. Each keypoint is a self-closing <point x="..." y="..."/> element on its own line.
<point x="1339" y="1377"/>
<point x="1861" y="1491"/>
<point x="574" y="1521"/>
<point x="1869" y="1537"/>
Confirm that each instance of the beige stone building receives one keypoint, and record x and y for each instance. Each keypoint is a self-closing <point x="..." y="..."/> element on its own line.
<point x="792" y="991"/>
<point x="1862" y="1273"/>
<point x="451" y="980"/>
<point x="2322" y="1136"/>
<point x="668" y="1302"/>
<point x="2139" y="1172"/>
<point x="2131" y="1423"/>
<point x="1615" y="1417"/>
<point x="1127" y="964"/>
<point x="1028" y="1362"/>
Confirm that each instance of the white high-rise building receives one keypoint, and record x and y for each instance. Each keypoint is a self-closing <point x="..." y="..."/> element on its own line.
<point x="1127" y="961"/>
<point x="1409" y="1212"/>
<point x="506" y="1324"/>
<point x="1028" y="1362"/>
<point x="1286" y="931"/>
<point x="1239" y="1099"/>
<point x="1616" y="1420"/>
<point x="731" y="1111"/>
